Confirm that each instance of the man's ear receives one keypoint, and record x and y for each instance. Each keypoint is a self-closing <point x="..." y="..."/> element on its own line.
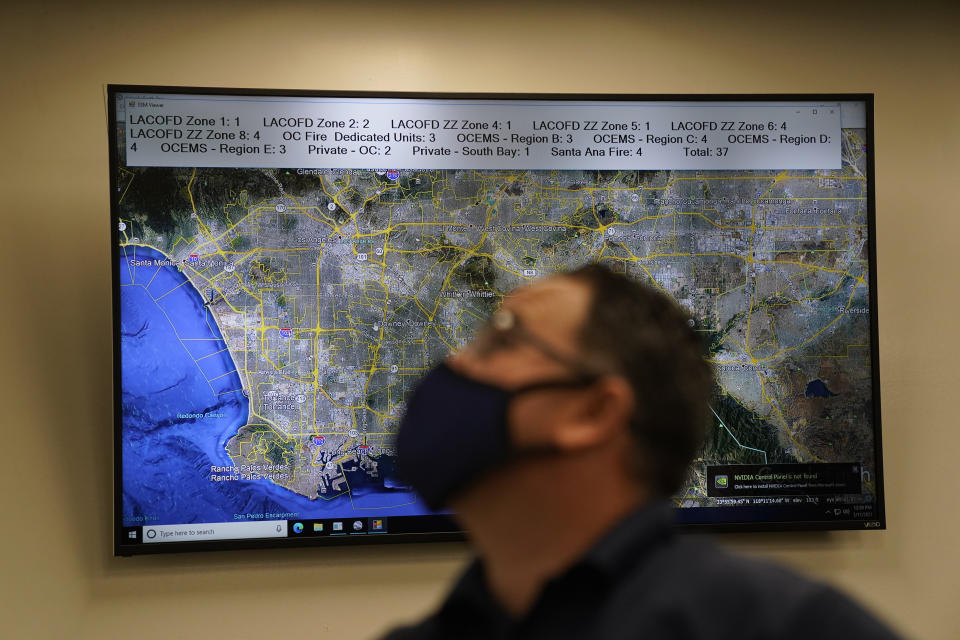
<point x="599" y="414"/>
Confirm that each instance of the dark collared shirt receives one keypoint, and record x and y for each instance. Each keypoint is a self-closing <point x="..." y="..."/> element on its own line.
<point x="643" y="581"/>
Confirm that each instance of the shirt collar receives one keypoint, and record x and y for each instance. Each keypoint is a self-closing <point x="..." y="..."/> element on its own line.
<point x="613" y="555"/>
<point x="630" y="539"/>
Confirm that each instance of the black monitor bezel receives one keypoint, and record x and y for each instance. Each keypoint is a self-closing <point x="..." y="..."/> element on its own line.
<point x="446" y="527"/>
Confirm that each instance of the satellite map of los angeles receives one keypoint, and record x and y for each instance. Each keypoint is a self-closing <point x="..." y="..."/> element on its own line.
<point x="274" y="320"/>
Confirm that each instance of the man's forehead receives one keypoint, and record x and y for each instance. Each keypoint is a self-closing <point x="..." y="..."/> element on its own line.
<point x="557" y="305"/>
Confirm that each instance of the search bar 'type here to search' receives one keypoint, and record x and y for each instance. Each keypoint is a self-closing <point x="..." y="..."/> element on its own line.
<point x="215" y="531"/>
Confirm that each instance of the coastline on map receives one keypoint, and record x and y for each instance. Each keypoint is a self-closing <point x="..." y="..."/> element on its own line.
<point x="182" y="401"/>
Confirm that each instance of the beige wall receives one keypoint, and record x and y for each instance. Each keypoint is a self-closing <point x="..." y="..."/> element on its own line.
<point x="58" y="578"/>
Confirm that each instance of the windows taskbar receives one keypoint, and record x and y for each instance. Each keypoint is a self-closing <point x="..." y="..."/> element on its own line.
<point x="741" y="514"/>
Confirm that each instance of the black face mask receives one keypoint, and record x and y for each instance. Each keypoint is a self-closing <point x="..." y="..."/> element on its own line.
<point x="455" y="430"/>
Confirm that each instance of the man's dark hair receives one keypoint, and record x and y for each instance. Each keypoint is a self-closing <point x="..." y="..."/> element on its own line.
<point x="647" y="338"/>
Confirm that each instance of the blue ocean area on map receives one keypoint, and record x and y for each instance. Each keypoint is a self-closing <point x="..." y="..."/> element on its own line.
<point x="183" y="400"/>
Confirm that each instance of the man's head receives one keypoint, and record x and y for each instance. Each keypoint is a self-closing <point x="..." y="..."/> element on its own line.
<point x="586" y="373"/>
<point x="648" y="339"/>
<point x="611" y="367"/>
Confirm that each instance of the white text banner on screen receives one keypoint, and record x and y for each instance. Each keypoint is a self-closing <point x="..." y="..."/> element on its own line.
<point x="181" y="130"/>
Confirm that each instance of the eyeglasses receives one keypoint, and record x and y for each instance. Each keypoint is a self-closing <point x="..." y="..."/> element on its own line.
<point x="505" y="330"/>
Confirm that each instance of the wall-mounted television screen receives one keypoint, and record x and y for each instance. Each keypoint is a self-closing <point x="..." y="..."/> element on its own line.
<point x="288" y="264"/>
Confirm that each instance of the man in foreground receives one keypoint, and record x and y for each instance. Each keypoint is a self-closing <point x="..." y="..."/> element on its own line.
<point x="557" y="436"/>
